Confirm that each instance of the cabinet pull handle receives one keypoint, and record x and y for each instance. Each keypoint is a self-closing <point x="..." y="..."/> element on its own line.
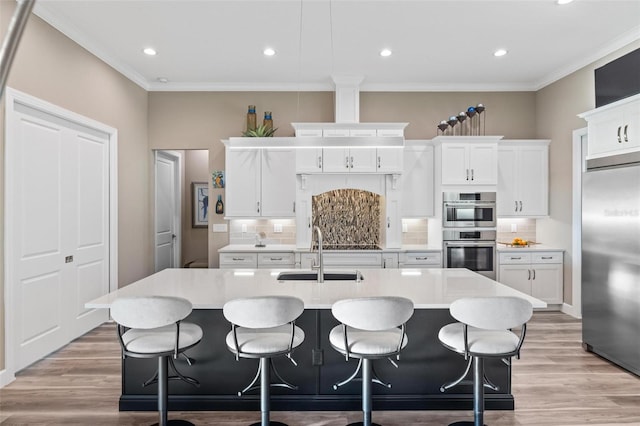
<point x="275" y="258"/>
<point x="547" y="257"/>
<point x="258" y="206"/>
<point x="320" y="161"/>
<point x="467" y="174"/>
<point x="238" y="258"/>
<point x="294" y="206"/>
<point x="384" y="263"/>
<point x="471" y="174"/>
<point x="422" y="258"/>
<point x="309" y="222"/>
<point x="626" y="139"/>
<point x="520" y="205"/>
<point x="529" y="277"/>
<point x="516" y="205"/>
<point x="346" y="162"/>
<point x="388" y="222"/>
<point x="515" y="258"/>
<point x="379" y="159"/>
<point x="352" y="162"/>
<point x="619" y="140"/>
<point x="534" y="274"/>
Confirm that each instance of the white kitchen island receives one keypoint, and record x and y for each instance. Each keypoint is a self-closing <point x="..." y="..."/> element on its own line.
<point x="424" y="366"/>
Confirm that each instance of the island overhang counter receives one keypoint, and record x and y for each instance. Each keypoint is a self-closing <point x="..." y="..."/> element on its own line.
<point x="424" y="366"/>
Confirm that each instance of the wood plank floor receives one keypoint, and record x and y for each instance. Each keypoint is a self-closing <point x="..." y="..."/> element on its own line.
<point x="555" y="383"/>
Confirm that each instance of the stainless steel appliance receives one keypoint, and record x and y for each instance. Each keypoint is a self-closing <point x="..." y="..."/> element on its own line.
<point x="469" y="209"/>
<point x="611" y="259"/>
<point x="472" y="249"/>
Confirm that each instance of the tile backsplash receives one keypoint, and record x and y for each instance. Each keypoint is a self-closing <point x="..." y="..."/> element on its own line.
<point x="243" y="231"/>
<point x="524" y="228"/>
<point x="347" y="216"/>
<point x="414" y="231"/>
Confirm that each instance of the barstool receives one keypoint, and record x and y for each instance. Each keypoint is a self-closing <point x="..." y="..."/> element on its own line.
<point x="264" y="327"/>
<point x="484" y="331"/>
<point x="372" y="328"/>
<point x="152" y="327"/>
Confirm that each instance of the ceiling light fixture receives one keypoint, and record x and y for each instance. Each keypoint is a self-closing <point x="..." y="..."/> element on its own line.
<point x="269" y="52"/>
<point x="500" y="52"/>
<point x="561" y="2"/>
<point x="385" y="52"/>
<point x="150" y="51"/>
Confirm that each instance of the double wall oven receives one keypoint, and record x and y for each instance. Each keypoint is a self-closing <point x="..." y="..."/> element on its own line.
<point x="469" y="231"/>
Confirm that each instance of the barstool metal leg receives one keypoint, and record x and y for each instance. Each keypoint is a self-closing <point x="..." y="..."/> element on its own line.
<point x="478" y="394"/>
<point x="265" y="390"/>
<point x="367" y="385"/>
<point x="163" y="394"/>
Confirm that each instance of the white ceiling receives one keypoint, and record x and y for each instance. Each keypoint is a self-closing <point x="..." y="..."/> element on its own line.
<point x="437" y="45"/>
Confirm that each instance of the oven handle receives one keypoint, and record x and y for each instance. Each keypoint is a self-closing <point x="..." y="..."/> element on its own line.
<point x="466" y="243"/>
<point x="470" y="203"/>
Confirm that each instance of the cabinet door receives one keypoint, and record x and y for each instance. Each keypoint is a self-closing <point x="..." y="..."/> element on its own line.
<point x="483" y="164"/>
<point x="606" y="132"/>
<point x="517" y="277"/>
<point x="278" y="183"/>
<point x="631" y="129"/>
<point x="454" y="164"/>
<point x="533" y="176"/>
<point x="308" y="160"/>
<point x="417" y="182"/>
<point x="546" y="282"/>
<point x="335" y="160"/>
<point x="389" y="160"/>
<point x="243" y="182"/>
<point x="507" y="191"/>
<point x="362" y="160"/>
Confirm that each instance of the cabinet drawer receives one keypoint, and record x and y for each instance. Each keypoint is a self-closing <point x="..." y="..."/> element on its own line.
<point x="514" y="258"/>
<point x="421" y="258"/>
<point x="309" y="133"/>
<point x="266" y="260"/>
<point x="238" y="260"/>
<point x="546" y="257"/>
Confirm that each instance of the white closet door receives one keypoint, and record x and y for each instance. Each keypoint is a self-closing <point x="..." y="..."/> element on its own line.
<point x="166" y="210"/>
<point x="58" y="253"/>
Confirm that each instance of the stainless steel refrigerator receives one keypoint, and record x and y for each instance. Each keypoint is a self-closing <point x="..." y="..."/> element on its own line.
<point x="611" y="259"/>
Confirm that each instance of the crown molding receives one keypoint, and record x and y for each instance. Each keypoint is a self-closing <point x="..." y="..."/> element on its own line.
<point x="240" y="87"/>
<point x="617" y="43"/>
<point x="63" y="25"/>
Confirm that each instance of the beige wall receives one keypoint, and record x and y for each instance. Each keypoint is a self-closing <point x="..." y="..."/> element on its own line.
<point x="557" y="106"/>
<point x="195" y="241"/>
<point x="50" y="66"/>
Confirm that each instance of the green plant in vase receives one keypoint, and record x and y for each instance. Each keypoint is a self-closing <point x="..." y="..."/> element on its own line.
<point x="261" y="131"/>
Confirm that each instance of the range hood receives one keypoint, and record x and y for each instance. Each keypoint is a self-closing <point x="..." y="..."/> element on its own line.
<point x="347" y="131"/>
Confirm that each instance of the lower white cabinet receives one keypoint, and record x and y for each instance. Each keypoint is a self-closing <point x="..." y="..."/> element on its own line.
<point x="536" y="273"/>
<point x="427" y="259"/>
<point x="334" y="260"/>
<point x="254" y="260"/>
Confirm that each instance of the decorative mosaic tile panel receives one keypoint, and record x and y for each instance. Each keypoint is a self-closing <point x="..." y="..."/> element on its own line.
<point x="348" y="216"/>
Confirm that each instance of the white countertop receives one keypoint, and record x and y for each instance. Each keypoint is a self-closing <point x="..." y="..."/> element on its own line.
<point x="274" y="248"/>
<point x="212" y="288"/>
<point x="533" y="247"/>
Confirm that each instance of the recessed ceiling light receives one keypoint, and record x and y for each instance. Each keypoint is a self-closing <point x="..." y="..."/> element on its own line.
<point x="561" y="2"/>
<point x="500" y="52"/>
<point x="150" y="51"/>
<point x="163" y="79"/>
<point x="385" y="52"/>
<point x="269" y="51"/>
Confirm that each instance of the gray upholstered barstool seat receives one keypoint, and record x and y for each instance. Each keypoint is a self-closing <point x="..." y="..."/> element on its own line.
<point x="152" y="327"/>
<point x="372" y="328"/>
<point x="484" y="330"/>
<point x="264" y="327"/>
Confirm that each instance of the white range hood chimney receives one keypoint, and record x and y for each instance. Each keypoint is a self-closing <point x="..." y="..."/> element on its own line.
<point x="347" y="98"/>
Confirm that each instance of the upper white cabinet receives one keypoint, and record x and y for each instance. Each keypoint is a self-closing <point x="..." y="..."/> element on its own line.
<point x="614" y="128"/>
<point x="390" y="160"/>
<point x="260" y="183"/>
<point x="523" y="178"/>
<point x="349" y="160"/>
<point x="470" y="160"/>
<point x="309" y="160"/>
<point x="417" y="180"/>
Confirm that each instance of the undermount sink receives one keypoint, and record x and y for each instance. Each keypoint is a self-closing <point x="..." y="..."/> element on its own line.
<point x="313" y="276"/>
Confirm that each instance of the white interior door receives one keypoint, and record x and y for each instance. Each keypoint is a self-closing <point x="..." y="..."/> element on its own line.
<point x="167" y="210"/>
<point x="57" y="225"/>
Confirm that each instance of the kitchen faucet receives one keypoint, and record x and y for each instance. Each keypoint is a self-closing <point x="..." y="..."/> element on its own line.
<point x="320" y="265"/>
